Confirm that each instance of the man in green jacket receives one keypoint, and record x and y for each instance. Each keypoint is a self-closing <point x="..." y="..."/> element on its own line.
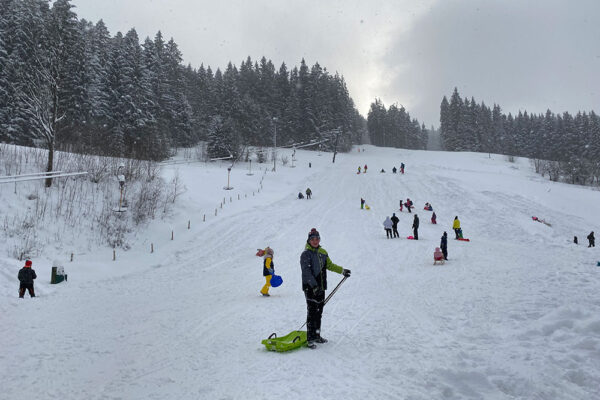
<point x="315" y="262"/>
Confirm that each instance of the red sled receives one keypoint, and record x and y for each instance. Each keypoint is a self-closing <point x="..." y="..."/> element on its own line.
<point x="410" y="237"/>
<point x="464" y="240"/>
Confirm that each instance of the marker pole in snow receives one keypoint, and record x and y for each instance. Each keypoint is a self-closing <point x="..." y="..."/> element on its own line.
<point x="329" y="297"/>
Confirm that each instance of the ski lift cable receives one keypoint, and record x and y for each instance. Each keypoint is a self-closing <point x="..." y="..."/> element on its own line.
<point x="43" y="177"/>
<point x="32" y="174"/>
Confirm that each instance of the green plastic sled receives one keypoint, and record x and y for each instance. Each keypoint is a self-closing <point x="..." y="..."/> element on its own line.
<point x="291" y="341"/>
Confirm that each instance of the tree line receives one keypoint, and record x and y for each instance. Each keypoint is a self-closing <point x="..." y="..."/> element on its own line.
<point x="66" y="82"/>
<point x="562" y="145"/>
<point x="393" y="127"/>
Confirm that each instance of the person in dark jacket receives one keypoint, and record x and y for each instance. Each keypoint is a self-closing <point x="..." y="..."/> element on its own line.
<point x="591" y="239"/>
<point x="395" y="221"/>
<point x="315" y="262"/>
<point x="308" y="193"/>
<point x="416" y="227"/>
<point x="26" y="277"/>
<point x="362" y="203"/>
<point x="402" y="168"/>
<point x="444" y="245"/>
<point x="394" y="170"/>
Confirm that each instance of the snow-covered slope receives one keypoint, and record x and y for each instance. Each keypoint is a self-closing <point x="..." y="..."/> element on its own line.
<point x="515" y="313"/>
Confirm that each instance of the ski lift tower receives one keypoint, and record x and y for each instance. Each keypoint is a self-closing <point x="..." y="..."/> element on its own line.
<point x="275" y="145"/>
<point x="121" y="179"/>
<point x="228" y="173"/>
<point x="294" y="157"/>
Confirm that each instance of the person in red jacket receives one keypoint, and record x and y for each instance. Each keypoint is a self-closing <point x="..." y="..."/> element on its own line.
<point x="26" y="277"/>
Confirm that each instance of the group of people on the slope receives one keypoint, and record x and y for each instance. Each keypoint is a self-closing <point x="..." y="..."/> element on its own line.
<point x="308" y="194"/>
<point x="363" y="170"/>
<point x="314" y="263"/>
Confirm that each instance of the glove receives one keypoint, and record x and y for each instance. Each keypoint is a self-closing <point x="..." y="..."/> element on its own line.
<point x="271" y="271"/>
<point x="346" y="272"/>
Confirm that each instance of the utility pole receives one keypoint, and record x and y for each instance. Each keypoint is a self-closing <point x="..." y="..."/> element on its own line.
<point x="275" y="145"/>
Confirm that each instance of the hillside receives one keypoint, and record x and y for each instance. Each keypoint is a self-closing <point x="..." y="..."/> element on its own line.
<point x="514" y="313"/>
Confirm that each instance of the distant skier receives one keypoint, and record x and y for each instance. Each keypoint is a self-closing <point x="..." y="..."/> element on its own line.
<point x="365" y="168"/>
<point x="401" y="168"/>
<point x="308" y="193"/>
<point x="300" y="195"/>
<point x="433" y="218"/>
<point x="401" y="205"/>
<point x="358" y="169"/>
<point x="395" y="221"/>
<point x="387" y="225"/>
<point x="408" y="203"/>
<point x="456" y="226"/>
<point x="382" y="171"/>
<point x="362" y="203"/>
<point x="315" y="262"/>
<point x="591" y="239"/>
<point x="416" y="227"/>
<point x="575" y="240"/>
<point x="268" y="270"/>
<point x="26" y="277"/>
<point x="444" y="245"/>
<point x="394" y="170"/>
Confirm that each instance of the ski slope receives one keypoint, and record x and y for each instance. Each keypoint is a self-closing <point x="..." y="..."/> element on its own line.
<point x="513" y="314"/>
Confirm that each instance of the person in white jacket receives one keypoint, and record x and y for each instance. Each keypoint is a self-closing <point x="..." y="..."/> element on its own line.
<point x="387" y="224"/>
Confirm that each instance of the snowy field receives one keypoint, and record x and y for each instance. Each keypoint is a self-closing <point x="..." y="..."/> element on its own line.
<point x="513" y="314"/>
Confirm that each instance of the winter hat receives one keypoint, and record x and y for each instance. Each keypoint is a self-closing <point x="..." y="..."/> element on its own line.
<point x="28" y="263"/>
<point x="314" y="233"/>
<point x="268" y="252"/>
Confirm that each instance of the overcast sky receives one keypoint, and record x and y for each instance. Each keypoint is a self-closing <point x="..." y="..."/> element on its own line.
<point x="521" y="54"/>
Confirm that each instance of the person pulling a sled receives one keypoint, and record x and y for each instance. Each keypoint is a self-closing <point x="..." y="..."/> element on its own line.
<point x="444" y="245"/>
<point x="456" y="227"/>
<point x="268" y="269"/>
<point x="415" y="227"/>
<point x="26" y="277"/>
<point x="315" y="262"/>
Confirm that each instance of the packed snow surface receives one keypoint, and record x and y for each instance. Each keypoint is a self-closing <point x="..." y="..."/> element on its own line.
<point x="513" y="314"/>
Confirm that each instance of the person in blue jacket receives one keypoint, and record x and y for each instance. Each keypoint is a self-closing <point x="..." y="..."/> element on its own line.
<point x="315" y="262"/>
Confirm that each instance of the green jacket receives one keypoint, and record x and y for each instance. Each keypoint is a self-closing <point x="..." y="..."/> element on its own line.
<point x="314" y="263"/>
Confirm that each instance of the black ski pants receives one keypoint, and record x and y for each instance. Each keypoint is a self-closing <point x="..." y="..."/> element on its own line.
<point x="445" y="252"/>
<point x="29" y="287"/>
<point x="416" y="233"/>
<point x="395" y="229"/>
<point x="314" y="307"/>
<point x="388" y="233"/>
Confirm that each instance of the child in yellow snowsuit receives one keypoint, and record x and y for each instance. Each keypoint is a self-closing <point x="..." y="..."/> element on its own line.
<point x="268" y="270"/>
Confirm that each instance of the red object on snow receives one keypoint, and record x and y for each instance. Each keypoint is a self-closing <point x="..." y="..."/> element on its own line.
<point x="464" y="240"/>
<point x="410" y="237"/>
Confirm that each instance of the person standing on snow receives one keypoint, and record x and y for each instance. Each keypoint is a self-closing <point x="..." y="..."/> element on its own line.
<point x="444" y="245"/>
<point x="26" y="277"/>
<point x="400" y="205"/>
<point x="433" y="218"/>
<point x="268" y="270"/>
<point x="365" y="168"/>
<point x="315" y="262"/>
<point x="308" y="193"/>
<point x="387" y="225"/>
<point x="401" y="168"/>
<point x="395" y="221"/>
<point x="591" y="239"/>
<point x="456" y="226"/>
<point x="416" y="227"/>
<point x="408" y="204"/>
<point x="359" y="169"/>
